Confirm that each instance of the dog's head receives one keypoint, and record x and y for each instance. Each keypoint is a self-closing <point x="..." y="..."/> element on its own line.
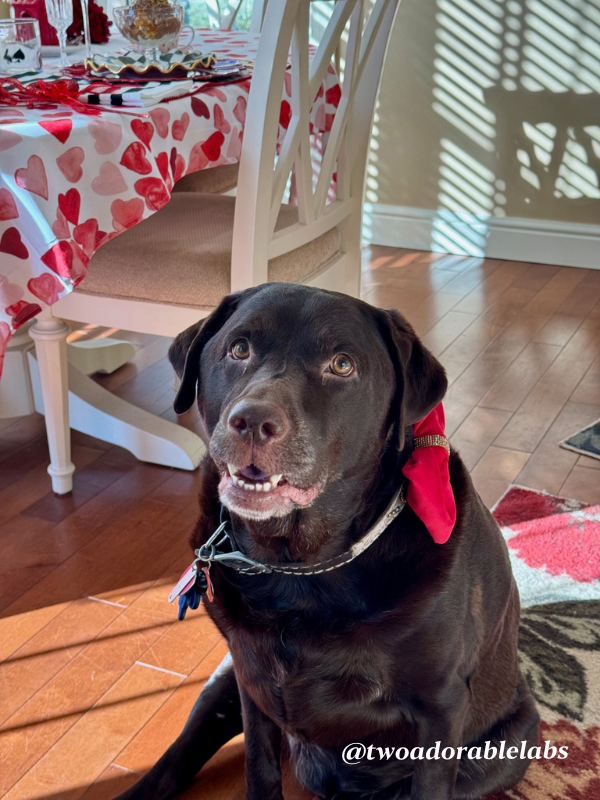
<point x="301" y="389"/>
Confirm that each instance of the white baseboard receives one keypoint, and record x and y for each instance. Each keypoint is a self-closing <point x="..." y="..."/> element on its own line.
<point x="514" y="239"/>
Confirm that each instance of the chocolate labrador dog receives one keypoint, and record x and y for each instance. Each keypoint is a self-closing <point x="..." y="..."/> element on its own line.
<point x="345" y="621"/>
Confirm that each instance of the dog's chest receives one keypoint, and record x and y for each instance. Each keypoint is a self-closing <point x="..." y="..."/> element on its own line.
<point x="314" y="687"/>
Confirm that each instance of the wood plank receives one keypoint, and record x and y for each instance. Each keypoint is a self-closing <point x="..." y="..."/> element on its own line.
<point x="58" y="704"/>
<point x="477" y="433"/>
<point x="466" y="347"/>
<point x="495" y="470"/>
<point x="91" y="744"/>
<point x="163" y="728"/>
<point x="494" y="286"/>
<point x="515" y="383"/>
<point x="479" y="377"/>
<point x="33" y="484"/>
<point x="550" y="465"/>
<point x="582" y="484"/>
<point x="545" y="401"/>
<point x="444" y="332"/>
<point x="588" y="388"/>
<point x="115" y="513"/>
<point x="46" y="653"/>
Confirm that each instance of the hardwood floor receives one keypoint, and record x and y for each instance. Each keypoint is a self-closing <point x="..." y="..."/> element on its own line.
<point x="96" y="679"/>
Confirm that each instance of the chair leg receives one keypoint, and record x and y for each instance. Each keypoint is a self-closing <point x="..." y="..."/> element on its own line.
<point x="50" y="337"/>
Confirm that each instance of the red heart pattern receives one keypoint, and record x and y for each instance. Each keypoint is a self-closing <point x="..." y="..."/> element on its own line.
<point x="10" y="293"/>
<point x="143" y="130"/>
<point x="33" y="177"/>
<point x="162" y="162"/>
<point x="154" y="191"/>
<point x="177" y="165"/>
<point x="109" y="180"/>
<point x="69" y="204"/>
<point x="239" y="110"/>
<point x="24" y="313"/>
<point x="134" y="158"/>
<point x="285" y="114"/>
<point x="5" y="335"/>
<point x="198" y="159"/>
<point x="180" y="127"/>
<point x="59" y="259"/>
<point x="69" y="164"/>
<point x="213" y="91"/>
<point x="8" y="207"/>
<point x="200" y="108"/>
<point x="9" y="139"/>
<point x="221" y="123"/>
<point x="107" y="136"/>
<point x="161" y="117"/>
<point x="60" y="128"/>
<point x="79" y="266"/>
<point x="126" y="213"/>
<point x="12" y="243"/>
<point x="87" y="235"/>
<point x="234" y="151"/>
<point x="334" y="95"/>
<point x="60" y="226"/>
<point x="47" y="287"/>
<point x="212" y="146"/>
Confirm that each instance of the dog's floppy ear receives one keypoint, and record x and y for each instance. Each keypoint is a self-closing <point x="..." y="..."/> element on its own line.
<point x="185" y="352"/>
<point x="420" y="378"/>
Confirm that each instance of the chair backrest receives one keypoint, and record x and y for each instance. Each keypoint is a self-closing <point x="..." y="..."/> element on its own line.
<point x="223" y="13"/>
<point x="263" y="177"/>
<point x="258" y="12"/>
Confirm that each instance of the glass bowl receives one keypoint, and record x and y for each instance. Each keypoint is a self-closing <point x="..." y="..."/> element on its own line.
<point x="153" y="30"/>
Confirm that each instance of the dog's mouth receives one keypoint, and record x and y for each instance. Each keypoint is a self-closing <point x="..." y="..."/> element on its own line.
<point x="253" y="493"/>
<point x="253" y="479"/>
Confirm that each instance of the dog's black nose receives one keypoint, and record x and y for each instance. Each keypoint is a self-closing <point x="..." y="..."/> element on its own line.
<point x="258" y="419"/>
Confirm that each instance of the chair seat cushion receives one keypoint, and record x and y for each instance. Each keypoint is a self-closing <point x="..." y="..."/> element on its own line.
<point x="182" y="255"/>
<point x="214" y="180"/>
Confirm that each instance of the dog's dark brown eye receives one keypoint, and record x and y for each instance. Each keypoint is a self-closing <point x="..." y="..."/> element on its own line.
<point x="342" y="365"/>
<point x="240" y="349"/>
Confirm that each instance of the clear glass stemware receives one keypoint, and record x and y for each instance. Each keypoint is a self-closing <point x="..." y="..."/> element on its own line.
<point x="85" y="11"/>
<point x="60" y="16"/>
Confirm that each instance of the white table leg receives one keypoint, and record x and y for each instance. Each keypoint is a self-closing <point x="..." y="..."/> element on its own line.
<point x="99" y="355"/>
<point x="50" y="337"/>
<point x="99" y="413"/>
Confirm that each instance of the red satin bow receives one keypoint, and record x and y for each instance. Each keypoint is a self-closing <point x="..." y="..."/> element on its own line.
<point x="429" y="492"/>
<point x="44" y="94"/>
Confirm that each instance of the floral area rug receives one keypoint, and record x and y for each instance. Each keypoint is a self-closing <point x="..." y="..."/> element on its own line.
<point x="586" y="441"/>
<point x="554" y="547"/>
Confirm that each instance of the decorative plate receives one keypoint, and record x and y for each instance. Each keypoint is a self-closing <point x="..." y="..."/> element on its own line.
<point x="132" y="64"/>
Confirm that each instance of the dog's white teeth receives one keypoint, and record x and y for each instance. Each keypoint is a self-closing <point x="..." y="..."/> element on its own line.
<point x="266" y="486"/>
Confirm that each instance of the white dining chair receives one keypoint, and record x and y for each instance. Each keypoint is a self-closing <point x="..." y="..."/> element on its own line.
<point x="222" y="14"/>
<point x="172" y="269"/>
